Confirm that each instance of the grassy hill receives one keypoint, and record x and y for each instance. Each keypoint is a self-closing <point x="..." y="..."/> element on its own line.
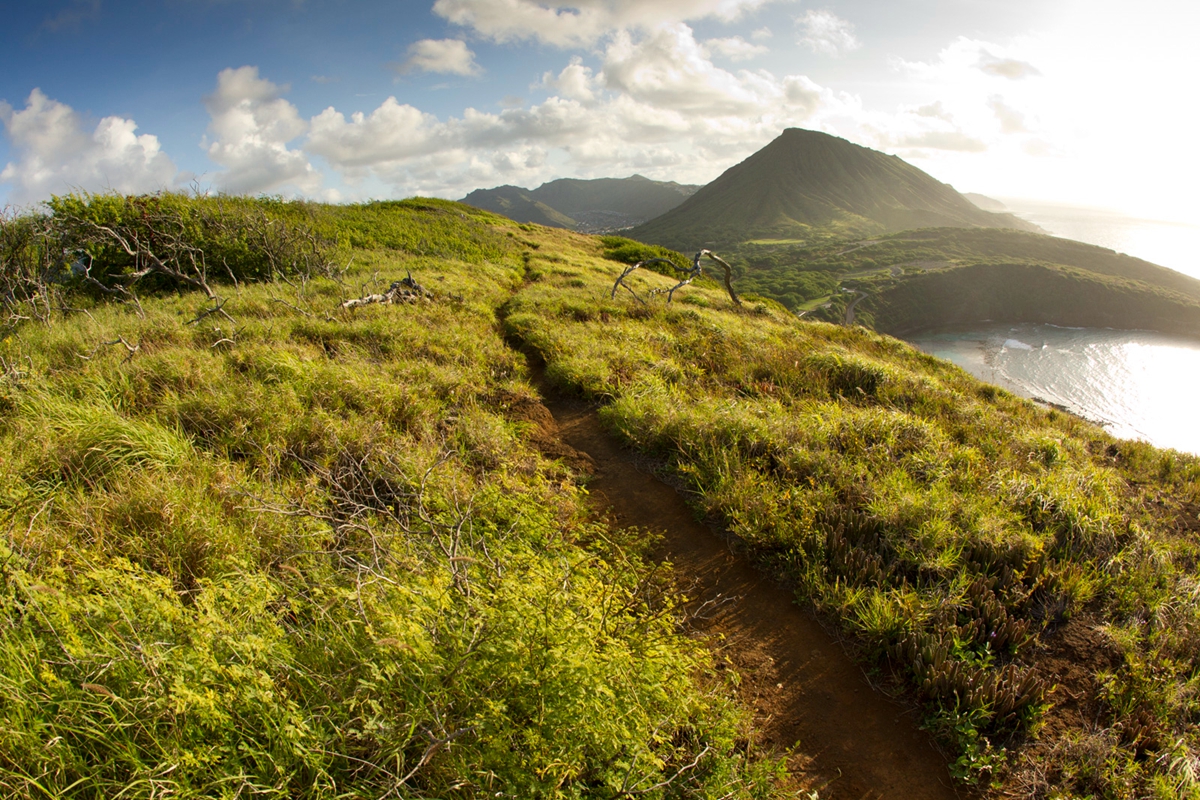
<point x="808" y="186"/>
<point x="259" y="540"/>
<point x="518" y="205"/>
<point x="940" y="276"/>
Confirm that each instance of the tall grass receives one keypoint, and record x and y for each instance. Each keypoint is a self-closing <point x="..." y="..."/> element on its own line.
<point x="300" y="551"/>
<point x="950" y="528"/>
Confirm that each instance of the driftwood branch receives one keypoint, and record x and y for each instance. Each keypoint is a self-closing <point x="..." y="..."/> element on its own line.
<point x="688" y="276"/>
<point x="405" y="290"/>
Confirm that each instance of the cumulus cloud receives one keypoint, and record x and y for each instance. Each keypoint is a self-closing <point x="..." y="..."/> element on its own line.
<point x="827" y="33"/>
<point x="392" y="132"/>
<point x="567" y="23"/>
<point x="575" y="82"/>
<point x="251" y="125"/>
<point x="56" y="153"/>
<point x="655" y="103"/>
<point x="669" y="69"/>
<point x="446" y="56"/>
<point x="734" y="48"/>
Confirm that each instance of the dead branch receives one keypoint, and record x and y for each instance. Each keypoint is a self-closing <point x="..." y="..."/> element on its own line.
<point x="130" y="349"/>
<point x="688" y="276"/>
<point x="30" y="273"/>
<point x="405" y="290"/>
<point x="630" y="270"/>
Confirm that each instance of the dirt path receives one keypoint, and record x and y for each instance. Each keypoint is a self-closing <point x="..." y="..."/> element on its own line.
<point x="850" y="309"/>
<point x="851" y="742"/>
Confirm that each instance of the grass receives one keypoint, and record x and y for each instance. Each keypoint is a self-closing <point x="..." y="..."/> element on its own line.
<point x="933" y="277"/>
<point x="301" y="551"/>
<point x="952" y="530"/>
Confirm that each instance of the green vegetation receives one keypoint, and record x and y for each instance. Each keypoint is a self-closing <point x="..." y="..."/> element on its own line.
<point x="813" y="187"/>
<point x="965" y="538"/>
<point x="253" y="543"/>
<point x="940" y="276"/>
<point x="256" y="542"/>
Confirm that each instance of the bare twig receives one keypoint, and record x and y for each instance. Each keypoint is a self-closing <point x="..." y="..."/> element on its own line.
<point x="688" y="276"/>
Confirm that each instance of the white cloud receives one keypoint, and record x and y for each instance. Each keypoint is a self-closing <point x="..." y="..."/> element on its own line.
<point x="827" y="33"/>
<point x="734" y="48"/>
<point x="251" y="125"/>
<point x="446" y="56"/>
<point x="1010" y="68"/>
<point x="669" y="70"/>
<point x="575" y="82"/>
<point x="392" y="132"/>
<point x="55" y="153"/>
<point x="656" y="104"/>
<point x="761" y="34"/>
<point x="566" y="23"/>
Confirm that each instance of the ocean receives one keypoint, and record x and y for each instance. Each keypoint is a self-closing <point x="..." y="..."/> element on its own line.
<point x="1138" y="384"/>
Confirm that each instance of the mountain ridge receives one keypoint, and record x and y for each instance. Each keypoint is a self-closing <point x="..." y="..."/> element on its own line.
<point x="807" y="183"/>
<point x="597" y="205"/>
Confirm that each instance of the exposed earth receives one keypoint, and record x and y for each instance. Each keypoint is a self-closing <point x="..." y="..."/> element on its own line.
<point x="811" y="701"/>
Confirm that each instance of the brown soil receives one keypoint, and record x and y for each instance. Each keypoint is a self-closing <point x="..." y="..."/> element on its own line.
<point x="809" y="698"/>
<point x="1070" y="658"/>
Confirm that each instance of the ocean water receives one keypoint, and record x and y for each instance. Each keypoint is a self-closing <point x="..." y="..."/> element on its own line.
<point x="1168" y="244"/>
<point x="1139" y="385"/>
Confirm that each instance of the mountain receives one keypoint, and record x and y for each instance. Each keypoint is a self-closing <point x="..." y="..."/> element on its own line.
<point x="588" y="206"/>
<point x="985" y="202"/>
<point x="807" y="182"/>
<point x="518" y="205"/>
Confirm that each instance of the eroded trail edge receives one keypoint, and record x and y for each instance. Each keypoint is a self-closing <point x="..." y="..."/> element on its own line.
<point x="850" y="742"/>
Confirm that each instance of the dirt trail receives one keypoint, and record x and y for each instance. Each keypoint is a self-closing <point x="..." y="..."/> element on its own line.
<point x="851" y="742"/>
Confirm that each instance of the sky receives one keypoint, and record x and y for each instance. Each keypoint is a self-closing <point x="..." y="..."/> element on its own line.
<point x="1080" y="102"/>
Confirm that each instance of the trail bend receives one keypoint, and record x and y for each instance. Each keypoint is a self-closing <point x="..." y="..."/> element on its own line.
<point x="850" y="742"/>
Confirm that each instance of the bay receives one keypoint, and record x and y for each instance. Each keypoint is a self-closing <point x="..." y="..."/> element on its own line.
<point x="1138" y="384"/>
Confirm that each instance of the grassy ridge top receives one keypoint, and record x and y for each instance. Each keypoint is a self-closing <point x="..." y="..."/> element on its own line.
<point x="1022" y="573"/>
<point x="297" y="550"/>
<point x="307" y="550"/>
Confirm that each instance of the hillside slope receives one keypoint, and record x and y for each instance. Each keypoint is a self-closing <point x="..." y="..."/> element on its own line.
<point x="806" y="183"/>
<point x="1017" y="569"/>
<point x="264" y="534"/>
<point x="518" y="205"/>
<point x="941" y="276"/>
<point x="597" y="205"/>
<point x="255" y="541"/>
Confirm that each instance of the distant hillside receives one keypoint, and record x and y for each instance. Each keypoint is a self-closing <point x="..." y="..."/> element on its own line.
<point x="588" y="206"/>
<point x="985" y="202"/>
<point x="941" y="276"/>
<point x="807" y="184"/>
<point x="518" y="205"/>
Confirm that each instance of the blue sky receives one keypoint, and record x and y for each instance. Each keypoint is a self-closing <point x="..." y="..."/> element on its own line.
<point x="1070" y="101"/>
